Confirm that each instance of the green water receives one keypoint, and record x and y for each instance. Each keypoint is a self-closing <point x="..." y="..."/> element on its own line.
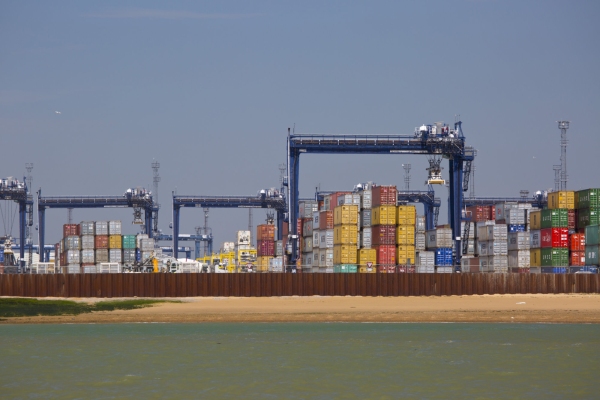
<point x="299" y="361"/>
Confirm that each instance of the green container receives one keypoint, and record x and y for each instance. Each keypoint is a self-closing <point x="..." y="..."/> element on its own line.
<point x="345" y="268"/>
<point x="129" y="242"/>
<point x="592" y="235"/>
<point x="557" y="218"/>
<point x="591" y="255"/>
<point x="588" y="216"/>
<point x="555" y="257"/>
<point x="589" y="198"/>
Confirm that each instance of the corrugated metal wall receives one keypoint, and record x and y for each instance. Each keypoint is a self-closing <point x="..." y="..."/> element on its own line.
<point x="279" y="284"/>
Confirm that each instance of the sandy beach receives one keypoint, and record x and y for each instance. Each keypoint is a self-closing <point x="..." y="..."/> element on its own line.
<point x="530" y="308"/>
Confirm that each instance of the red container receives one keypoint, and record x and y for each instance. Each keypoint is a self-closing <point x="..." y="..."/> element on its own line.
<point x="265" y="248"/>
<point x="405" y="269"/>
<point x="383" y="235"/>
<point x="71" y="230"/>
<point x="285" y="230"/>
<point x="326" y="220"/>
<point x="265" y="232"/>
<point x="299" y="227"/>
<point x="478" y="213"/>
<point x="572" y="219"/>
<point x="386" y="254"/>
<point x="384" y="195"/>
<point x="101" y="242"/>
<point x="577" y="258"/>
<point x="577" y="242"/>
<point x="520" y="270"/>
<point x="334" y="199"/>
<point x="492" y="213"/>
<point x="554" y="237"/>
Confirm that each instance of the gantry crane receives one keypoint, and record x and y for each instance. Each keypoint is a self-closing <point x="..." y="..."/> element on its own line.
<point x="198" y="238"/>
<point x="12" y="189"/>
<point x="138" y="199"/>
<point x="447" y="143"/>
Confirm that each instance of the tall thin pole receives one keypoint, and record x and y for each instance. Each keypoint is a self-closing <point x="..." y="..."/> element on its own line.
<point x="563" y="126"/>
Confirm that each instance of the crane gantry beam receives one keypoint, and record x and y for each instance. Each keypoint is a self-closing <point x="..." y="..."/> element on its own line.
<point x="18" y="192"/>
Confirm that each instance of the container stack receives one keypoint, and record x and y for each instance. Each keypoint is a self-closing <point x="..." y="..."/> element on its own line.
<point x="345" y="238"/>
<point x="316" y="254"/>
<point x="406" y="218"/>
<point x="588" y="219"/>
<point x="70" y="256"/>
<point x="383" y="226"/>
<point x="265" y="246"/>
<point x="307" y="209"/>
<point x="367" y="255"/>
<point x="325" y="240"/>
<point x="439" y="242"/>
<point x="554" y="240"/>
<point x="493" y="248"/>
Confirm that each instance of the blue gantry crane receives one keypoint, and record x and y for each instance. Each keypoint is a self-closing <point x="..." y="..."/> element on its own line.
<point x="197" y="239"/>
<point x="265" y="199"/>
<point x="446" y="143"/>
<point x="13" y="190"/>
<point x="138" y="199"/>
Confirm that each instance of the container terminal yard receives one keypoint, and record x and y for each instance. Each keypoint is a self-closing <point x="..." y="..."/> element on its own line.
<point x="369" y="228"/>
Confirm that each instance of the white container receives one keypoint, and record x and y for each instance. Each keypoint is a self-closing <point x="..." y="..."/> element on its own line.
<point x="89" y="269"/>
<point x="535" y="239"/>
<point x="101" y="227"/>
<point x="279" y="248"/>
<point x="519" y="258"/>
<point x="470" y="247"/>
<point x="484" y="265"/>
<point x="115" y="256"/>
<point x="88" y="256"/>
<point x="114" y="227"/>
<point x="366" y="238"/>
<point x="365" y="218"/>
<point x="500" y="270"/>
<point x="307" y="245"/>
<point x="316" y="240"/>
<point x="315" y="220"/>
<point x="502" y="209"/>
<point x="482" y="248"/>
<point x="444" y="270"/>
<point x="87" y="243"/>
<point x="425" y="259"/>
<point x="227" y="246"/>
<point x="72" y="243"/>
<point x="498" y="231"/>
<point x="420" y="242"/>
<point x="497" y="248"/>
<point x="276" y="264"/>
<point x="87" y="228"/>
<point x="424" y="269"/>
<point x="519" y="241"/>
<point x="366" y="200"/>
<point x="326" y="258"/>
<point x="438" y="238"/>
<point x="515" y="216"/>
<point x="307" y="260"/>
<point x="108" y="268"/>
<point x="243" y="238"/>
<point x="148" y="245"/>
<point x="326" y="239"/>
<point x="139" y="238"/>
<point x="316" y="258"/>
<point x="307" y="208"/>
<point x="72" y="269"/>
<point x="497" y="261"/>
<point x="73" y="257"/>
<point x="327" y="203"/>
<point x="421" y="225"/>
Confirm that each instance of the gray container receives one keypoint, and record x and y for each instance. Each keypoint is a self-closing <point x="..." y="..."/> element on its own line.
<point x="89" y="269"/>
<point x="519" y="241"/>
<point x="516" y="216"/>
<point x="139" y="238"/>
<point x="437" y="238"/>
<point x="365" y="218"/>
<point x="484" y="264"/>
<point x="498" y="231"/>
<point x="101" y="256"/>
<point x="72" y="269"/>
<point x="88" y="256"/>
<point x="87" y="228"/>
<point x="420" y="242"/>
<point x="497" y="248"/>
<point x="326" y="239"/>
<point x="87" y="243"/>
<point x="420" y="224"/>
<point x="366" y="238"/>
<point x="482" y="248"/>
<point x="535" y="239"/>
<point x="326" y="258"/>
<point x="423" y="269"/>
<point x="307" y="208"/>
<point x="115" y="256"/>
<point x="73" y="257"/>
<point x="366" y="200"/>
<point x="315" y="218"/>
<point x="316" y="258"/>
<point x="425" y="259"/>
<point x="519" y="259"/>
<point x="315" y="239"/>
<point x="147" y="245"/>
<point x="101" y="228"/>
<point x="72" y="243"/>
<point x="128" y="256"/>
<point x="114" y="227"/>
<point x="279" y="248"/>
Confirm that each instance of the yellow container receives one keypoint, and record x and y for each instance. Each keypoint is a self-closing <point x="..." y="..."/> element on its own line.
<point x="535" y="220"/>
<point x="344" y="254"/>
<point x="345" y="234"/>
<point x="367" y="255"/>
<point x="345" y="215"/>
<point x="115" y="242"/>
<point x="365" y="270"/>
<point x="562" y="199"/>
<point x="405" y="235"/>
<point x="231" y="269"/>
<point x="383" y="215"/>
<point x="262" y="263"/>
<point x="535" y="257"/>
<point x="406" y="215"/>
<point x="405" y="255"/>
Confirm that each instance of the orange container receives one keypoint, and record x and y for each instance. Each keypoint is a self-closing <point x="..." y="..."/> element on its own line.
<point x="265" y="232"/>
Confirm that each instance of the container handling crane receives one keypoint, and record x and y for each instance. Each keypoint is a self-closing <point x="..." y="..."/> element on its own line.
<point x="137" y="198"/>
<point x="442" y="141"/>
<point x="12" y="189"/>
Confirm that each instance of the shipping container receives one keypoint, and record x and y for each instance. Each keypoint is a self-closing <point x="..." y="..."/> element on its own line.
<point x="115" y="241"/>
<point x="326" y="258"/>
<point x="369" y="270"/>
<point x="478" y="213"/>
<point x="262" y="263"/>
<point x="554" y="270"/>
<point x="325" y="220"/>
<point x="535" y="220"/>
<point x="590" y="269"/>
<point x="591" y="254"/>
<point x="307" y="208"/>
<point x="519" y="259"/>
<point x="516" y="216"/>
<point x="345" y="234"/>
<point x="114" y="228"/>
<point x="420" y="242"/>
<point x="592" y="235"/>
<point x="498" y="263"/>
<point x="129" y="256"/>
<point x="276" y="264"/>
<point x="147" y="245"/>
<point x="326" y="239"/>
<point x="421" y="225"/>
<point x="405" y="235"/>
<point x="383" y="215"/>
<point x="71" y="230"/>
<point x="88" y="256"/>
<point x="424" y="269"/>
<point x="469" y="264"/>
<point x="101" y="255"/>
<point x="345" y="268"/>
<point x="366" y="236"/>
<point x="307" y="261"/>
<point x="443" y="256"/>
<point x="87" y="242"/>
<point x="345" y="215"/>
<point x="589" y="198"/>
<point x="383" y="235"/>
<point x="101" y="228"/>
<point x="406" y="255"/>
<point x="425" y="259"/>
<point x="557" y="218"/>
<point x="516" y="228"/>
<point x="577" y="242"/>
<point x="344" y="254"/>
<point x="115" y="255"/>
<point x="502" y="209"/>
<point x="266" y="232"/>
<point x="483" y="264"/>
<point x="555" y="257"/>
<point x="535" y="257"/>
<point x="441" y="237"/>
<point x="72" y="243"/>
<point x="307" y="228"/>
<point x="497" y="232"/>
<point x="128" y="242"/>
<point x="72" y="256"/>
<point x="307" y="246"/>
<point x="367" y="256"/>
<point x="519" y="241"/>
<point x="406" y="215"/>
<point x="554" y="237"/>
<point x="366" y="199"/>
<point x="572" y="219"/>
<point x="365" y="218"/>
<point x="535" y="239"/>
<point x="384" y="195"/>
<point x="587" y="216"/>
<point x="316" y="240"/>
<point x="386" y="254"/>
<point x="471" y="227"/>
<point x="562" y="199"/>
<point x="349" y="199"/>
<point x="266" y="248"/>
<point x="577" y="258"/>
<point x="87" y="228"/>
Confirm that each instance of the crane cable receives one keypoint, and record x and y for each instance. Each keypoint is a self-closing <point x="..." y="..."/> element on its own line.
<point x="8" y="228"/>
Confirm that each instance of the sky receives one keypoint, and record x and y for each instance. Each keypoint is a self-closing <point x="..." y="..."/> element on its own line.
<point x="209" y="88"/>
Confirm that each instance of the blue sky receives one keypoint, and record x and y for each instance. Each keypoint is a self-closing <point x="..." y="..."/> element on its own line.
<point x="209" y="89"/>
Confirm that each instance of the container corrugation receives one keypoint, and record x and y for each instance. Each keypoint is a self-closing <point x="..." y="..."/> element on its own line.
<point x="88" y="256"/>
<point x="307" y="208"/>
<point x="386" y="254"/>
<point x="147" y="245"/>
<point x="115" y="241"/>
<point x="484" y="264"/>
<point x="497" y="247"/>
<point x="316" y="258"/>
<point x="519" y="241"/>
<point x="326" y="220"/>
<point x="115" y="255"/>
<point x="406" y="215"/>
<point x="478" y="213"/>
<point x="562" y="199"/>
<point x="266" y="248"/>
<point x="535" y="257"/>
<point x="556" y="218"/>
<point x="572" y="219"/>
<point x="498" y="231"/>
<point x="425" y="259"/>
<point x="326" y="239"/>
<point x="367" y="256"/>
<point x="345" y="234"/>
<point x="72" y="243"/>
<point x="424" y="269"/>
<point x="262" y="263"/>
<point x="383" y="235"/>
<point x="87" y="228"/>
<point x="443" y="256"/>
<point x="267" y="231"/>
<point x="519" y="258"/>
<point x="307" y="228"/>
<point x="384" y="195"/>
<point x="591" y="254"/>
<point x="366" y="199"/>
<point x="516" y="216"/>
<point x="307" y="260"/>
<point x="101" y="228"/>
<point x="365" y="218"/>
<point x="501" y="209"/>
<point x="88" y="242"/>
<point x="577" y="242"/>
<point x="592" y="235"/>
<point x="315" y="220"/>
<point x="420" y="225"/>
<point x="128" y="242"/>
<point x="441" y="237"/>
<point x="405" y="234"/>
<point x="276" y="264"/>
<point x="420" y="242"/>
<point x="587" y="216"/>
<point x="444" y="270"/>
<point x="326" y="258"/>
<point x="554" y="237"/>
<point x="102" y="256"/>
<point x="307" y="246"/>
<point x="535" y="220"/>
<point x="350" y="198"/>
<point x="129" y="256"/>
<point x="114" y="228"/>
<point x="577" y="258"/>
<point x="383" y="215"/>
<point x="516" y="228"/>
<point x="406" y="255"/>
<point x="535" y="239"/>
<point x="555" y="257"/>
<point x="554" y="270"/>
<point x="368" y="270"/>
<point x="316" y="240"/>
<point x="344" y="254"/>
<point x="345" y="215"/>
<point x="589" y="198"/>
<point x="345" y="268"/>
<point x="497" y="261"/>
<point x="366" y="236"/>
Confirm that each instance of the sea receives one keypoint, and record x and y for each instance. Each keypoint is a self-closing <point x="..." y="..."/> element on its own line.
<point x="300" y="361"/>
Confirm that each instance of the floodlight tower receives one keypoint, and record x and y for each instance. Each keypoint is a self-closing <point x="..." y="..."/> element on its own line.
<point x="557" y="170"/>
<point x="563" y="126"/>
<point x="250" y="223"/>
<point x="406" y="176"/>
<point x="206" y="231"/>
<point x="29" y="239"/>
<point x="156" y="178"/>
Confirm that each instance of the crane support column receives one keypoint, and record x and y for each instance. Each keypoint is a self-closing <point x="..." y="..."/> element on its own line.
<point x="294" y="171"/>
<point x="176" y="212"/>
<point x="42" y="231"/>
<point x="148" y="221"/>
<point x="22" y="222"/>
<point x="456" y="194"/>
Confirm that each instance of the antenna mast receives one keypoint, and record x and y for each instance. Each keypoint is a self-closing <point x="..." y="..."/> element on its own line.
<point x="29" y="239"/>
<point x="406" y="176"/>
<point x="563" y="126"/>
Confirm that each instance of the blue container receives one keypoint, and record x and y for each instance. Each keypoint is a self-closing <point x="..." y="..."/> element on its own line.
<point x="443" y="257"/>
<point x="138" y="255"/>
<point x="592" y="269"/>
<point x="554" y="270"/>
<point x="516" y="228"/>
<point x="2" y="256"/>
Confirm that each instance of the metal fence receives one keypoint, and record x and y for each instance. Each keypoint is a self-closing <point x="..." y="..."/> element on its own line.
<point x="279" y="284"/>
